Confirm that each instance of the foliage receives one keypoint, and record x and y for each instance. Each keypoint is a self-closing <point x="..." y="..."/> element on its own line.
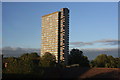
<point x="103" y="60"/>
<point x="76" y="57"/>
<point x="32" y="63"/>
<point x="27" y="63"/>
<point x="117" y="62"/>
<point x="48" y="60"/>
<point x="28" y="56"/>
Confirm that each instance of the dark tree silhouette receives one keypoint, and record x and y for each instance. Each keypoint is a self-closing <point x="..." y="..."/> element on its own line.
<point x="76" y="57"/>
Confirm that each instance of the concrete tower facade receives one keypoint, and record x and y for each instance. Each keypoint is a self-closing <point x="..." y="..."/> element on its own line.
<point x="55" y="34"/>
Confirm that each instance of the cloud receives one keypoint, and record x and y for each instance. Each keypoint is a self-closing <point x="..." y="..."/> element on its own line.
<point x="79" y="44"/>
<point x="10" y="51"/>
<point x="91" y="53"/>
<point x="110" y="42"/>
<point x="94" y="52"/>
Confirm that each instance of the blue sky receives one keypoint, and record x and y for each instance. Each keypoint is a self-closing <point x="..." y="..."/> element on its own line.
<point x="89" y="22"/>
<point x="93" y="26"/>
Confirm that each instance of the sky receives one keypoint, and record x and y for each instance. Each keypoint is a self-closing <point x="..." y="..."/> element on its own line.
<point x="93" y="25"/>
<point x="59" y="0"/>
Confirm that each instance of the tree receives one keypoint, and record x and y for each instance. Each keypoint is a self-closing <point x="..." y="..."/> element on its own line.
<point x="26" y="63"/>
<point x="28" y="56"/>
<point x="11" y="65"/>
<point x="111" y="62"/>
<point x="48" y="60"/>
<point x="85" y="61"/>
<point x="76" y="57"/>
<point x="93" y="64"/>
<point x="30" y="61"/>
<point x="101" y="60"/>
<point x="117" y="62"/>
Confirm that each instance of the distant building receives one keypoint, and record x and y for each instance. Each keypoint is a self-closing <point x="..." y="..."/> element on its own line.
<point x="55" y="34"/>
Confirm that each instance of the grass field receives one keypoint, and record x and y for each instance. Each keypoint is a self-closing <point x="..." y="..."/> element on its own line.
<point x="74" y="73"/>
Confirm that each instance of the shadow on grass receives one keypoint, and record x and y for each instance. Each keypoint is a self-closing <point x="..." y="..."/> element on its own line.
<point x="21" y="77"/>
<point x="48" y="74"/>
<point x="64" y="73"/>
<point x="73" y="73"/>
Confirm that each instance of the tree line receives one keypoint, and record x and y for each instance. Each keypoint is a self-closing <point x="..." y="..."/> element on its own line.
<point x="33" y="63"/>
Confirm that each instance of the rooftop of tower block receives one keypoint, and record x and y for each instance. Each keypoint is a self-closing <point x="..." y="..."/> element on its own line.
<point x="54" y="12"/>
<point x="50" y="14"/>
